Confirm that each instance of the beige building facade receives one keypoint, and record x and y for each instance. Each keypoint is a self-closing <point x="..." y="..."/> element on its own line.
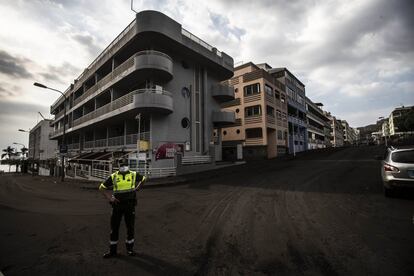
<point x="260" y="105"/>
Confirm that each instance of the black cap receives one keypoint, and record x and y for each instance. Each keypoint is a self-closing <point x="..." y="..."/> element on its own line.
<point x="123" y="162"/>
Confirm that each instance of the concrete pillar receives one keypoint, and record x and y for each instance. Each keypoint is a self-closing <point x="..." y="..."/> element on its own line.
<point x="125" y="131"/>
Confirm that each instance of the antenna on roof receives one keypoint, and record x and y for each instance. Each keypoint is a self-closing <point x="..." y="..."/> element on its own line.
<point x="132" y="6"/>
<point x="41" y="115"/>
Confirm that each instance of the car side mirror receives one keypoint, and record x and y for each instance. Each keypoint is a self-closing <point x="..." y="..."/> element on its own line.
<point x="378" y="157"/>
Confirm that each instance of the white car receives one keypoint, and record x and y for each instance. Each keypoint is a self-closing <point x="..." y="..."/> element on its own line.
<point x="397" y="169"/>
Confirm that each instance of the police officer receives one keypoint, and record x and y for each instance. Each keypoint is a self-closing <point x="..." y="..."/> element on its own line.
<point x="120" y="189"/>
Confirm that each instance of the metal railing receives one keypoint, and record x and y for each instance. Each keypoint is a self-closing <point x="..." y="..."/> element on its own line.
<point x="133" y="138"/>
<point x="117" y="71"/>
<point x="116" y="141"/>
<point x="88" y="144"/>
<point x="152" y="52"/>
<point x="120" y="102"/>
<point x="200" y="42"/>
<point x="115" y="41"/>
<point x="73" y="146"/>
<point x="196" y="159"/>
<point x="100" y="143"/>
<point x="150" y="90"/>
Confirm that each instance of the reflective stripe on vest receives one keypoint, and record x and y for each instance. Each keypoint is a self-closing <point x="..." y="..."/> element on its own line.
<point x="123" y="184"/>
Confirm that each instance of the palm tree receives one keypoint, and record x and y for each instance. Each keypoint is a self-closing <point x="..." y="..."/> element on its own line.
<point x="9" y="151"/>
<point x="24" y="151"/>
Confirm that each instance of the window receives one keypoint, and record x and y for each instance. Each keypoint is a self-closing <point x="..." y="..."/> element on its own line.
<point x="300" y="100"/>
<point x="237" y="110"/>
<point x="254" y="133"/>
<point x="268" y="90"/>
<point x="284" y="117"/>
<point x="279" y="135"/>
<point x="236" y="90"/>
<point x="252" y="89"/>
<point x="278" y="114"/>
<point x="224" y="132"/>
<point x="282" y="98"/>
<point x="270" y="111"/>
<point x="277" y="95"/>
<point x="291" y="94"/>
<point x="238" y="131"/>
<point x="253" y="111"/>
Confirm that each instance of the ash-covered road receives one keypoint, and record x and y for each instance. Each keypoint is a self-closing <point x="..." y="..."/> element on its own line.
<point x="321" y="214"/>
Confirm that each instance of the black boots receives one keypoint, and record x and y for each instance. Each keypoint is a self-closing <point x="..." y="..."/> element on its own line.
<point x="130" y="248"/>
<point x="112" y="250"/>
<point x="111" y="253"/>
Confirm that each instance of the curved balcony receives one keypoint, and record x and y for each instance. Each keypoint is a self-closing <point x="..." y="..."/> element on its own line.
<point x="223" y="118"/>
<point x="153" y="100"/>
<point x="222" y="93"/>
<point x="154" y="64"/>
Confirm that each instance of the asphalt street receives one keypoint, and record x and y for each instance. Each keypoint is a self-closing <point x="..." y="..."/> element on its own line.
<point x="322" y="213"/>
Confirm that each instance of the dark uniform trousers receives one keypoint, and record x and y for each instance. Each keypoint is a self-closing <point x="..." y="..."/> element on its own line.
<point x="127" y="210"/>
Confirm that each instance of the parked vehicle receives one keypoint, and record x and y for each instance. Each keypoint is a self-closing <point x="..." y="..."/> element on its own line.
<point x="397" y="169"/>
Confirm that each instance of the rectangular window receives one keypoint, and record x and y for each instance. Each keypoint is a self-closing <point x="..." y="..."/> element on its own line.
<point x="253" y="111"/>
<point x="278" y="114"/>
<point x="282" y="98"/>
<point x="291" y="94"/>
<point x="254" y="133"/>
<point x="252" y="89"/>
<point x="268" y="90"/>
<point x="270" y="111"/>
<point x="284" y="117"/>
<point x="300" y="100"/>
<point x="277" y="95"/>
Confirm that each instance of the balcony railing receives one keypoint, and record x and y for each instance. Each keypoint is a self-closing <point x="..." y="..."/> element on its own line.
<point x="117" y="71"/>
<point x="73" y="146"/>
<point x="130" y="139"/>
<point x="118" y="103"/>
<point x="200" y="41"/>
<point x="271" y="119"/>
<point x="84" y="75"/>
<point x="253" y="119"/>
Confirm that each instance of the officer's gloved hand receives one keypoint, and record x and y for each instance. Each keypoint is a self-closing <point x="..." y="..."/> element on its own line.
<point x="113" y="200"/>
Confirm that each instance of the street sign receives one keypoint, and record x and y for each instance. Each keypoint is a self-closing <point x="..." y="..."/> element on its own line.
<point x="143" y="145"/>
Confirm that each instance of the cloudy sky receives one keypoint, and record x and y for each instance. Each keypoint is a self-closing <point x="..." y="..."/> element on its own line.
<point x="354" y="56"/>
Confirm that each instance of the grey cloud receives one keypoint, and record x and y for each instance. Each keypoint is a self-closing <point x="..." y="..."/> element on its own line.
<point x="14" y="66"/>
<point x="7" y="91"/>
<point x="63" y="73"/>
<point x="387" y="22"/>
<point x="88" y="42"/>
<point x="222" y="23"/>
<point x="12" y="109"/>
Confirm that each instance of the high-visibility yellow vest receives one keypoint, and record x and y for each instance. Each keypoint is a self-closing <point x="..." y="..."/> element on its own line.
<point x="124" y="184"/>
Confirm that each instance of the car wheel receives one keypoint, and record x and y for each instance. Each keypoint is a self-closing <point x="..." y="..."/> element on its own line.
<point x="389" y="192"/>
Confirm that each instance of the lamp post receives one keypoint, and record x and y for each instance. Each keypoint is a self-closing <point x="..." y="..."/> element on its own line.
<point x="63" y="146"/>
<point x="14" y="143"/>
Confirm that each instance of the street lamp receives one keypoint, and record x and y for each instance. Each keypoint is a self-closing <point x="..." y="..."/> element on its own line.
<point x="64" y="125"/>
<point x="24" y="147"/>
